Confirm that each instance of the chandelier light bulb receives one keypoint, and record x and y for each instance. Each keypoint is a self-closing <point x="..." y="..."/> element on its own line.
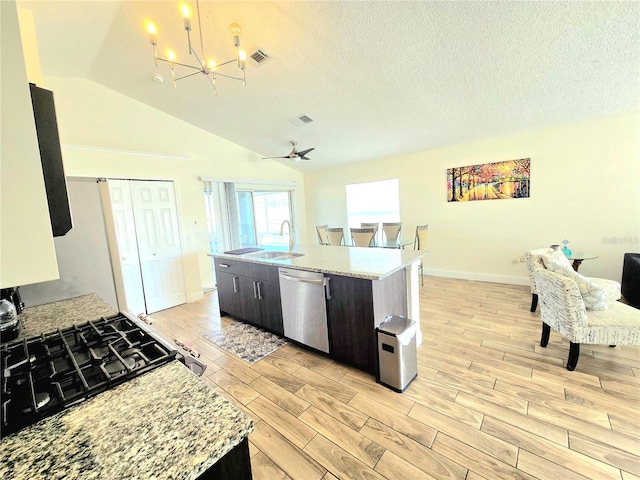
<point x="242" y="57"/>
<point x="212" y="64"/>
<point x="235" y="29"/>
<point x="185" y="11"/>
<point x="171" y="55"/>
<point x="152" y="31"/>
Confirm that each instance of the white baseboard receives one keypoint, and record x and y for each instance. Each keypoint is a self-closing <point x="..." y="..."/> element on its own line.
<point x="480" y="277"/>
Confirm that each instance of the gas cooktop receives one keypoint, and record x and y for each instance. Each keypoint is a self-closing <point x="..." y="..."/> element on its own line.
<point x="43" y="375"/>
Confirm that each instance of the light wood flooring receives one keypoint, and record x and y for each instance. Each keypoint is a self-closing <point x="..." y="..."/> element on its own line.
<point x="488" y="403"/>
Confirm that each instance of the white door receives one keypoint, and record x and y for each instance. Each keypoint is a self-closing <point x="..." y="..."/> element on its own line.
<point x="160" y="251"/>
<point x="125" y="254"/>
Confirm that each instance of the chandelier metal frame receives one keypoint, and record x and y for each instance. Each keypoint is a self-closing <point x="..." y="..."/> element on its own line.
<point x="209" y="70"/>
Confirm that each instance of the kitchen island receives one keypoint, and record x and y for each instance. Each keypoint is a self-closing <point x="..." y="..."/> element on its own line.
<point x="164" y="424"/>
<point x="362" y="287"/>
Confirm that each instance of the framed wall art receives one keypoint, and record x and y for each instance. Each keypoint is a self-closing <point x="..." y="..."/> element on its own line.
<point x="489" y="181"/>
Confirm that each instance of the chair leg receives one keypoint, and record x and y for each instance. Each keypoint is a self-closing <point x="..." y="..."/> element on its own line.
<point x="534" y="302"/>
<point x="574" y="353"/>
<point x="546" y="330"/>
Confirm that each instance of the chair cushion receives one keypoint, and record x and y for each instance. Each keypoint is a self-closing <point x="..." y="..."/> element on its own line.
<point x="593" y="295"/>
<point x="617" y="325"/>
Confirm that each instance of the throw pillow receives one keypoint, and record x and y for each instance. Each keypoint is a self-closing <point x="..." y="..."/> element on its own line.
<point x="555" y="261"/>
<point x="593" y="295"/>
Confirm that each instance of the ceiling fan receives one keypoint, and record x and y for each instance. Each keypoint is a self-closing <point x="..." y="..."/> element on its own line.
<point x="295" y="155"/>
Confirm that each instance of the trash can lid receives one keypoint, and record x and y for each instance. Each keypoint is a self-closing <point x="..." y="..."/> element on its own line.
<point x="395" y="324"/>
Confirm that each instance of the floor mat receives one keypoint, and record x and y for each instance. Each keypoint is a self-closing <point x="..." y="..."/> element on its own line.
<point x="246" y="341"/>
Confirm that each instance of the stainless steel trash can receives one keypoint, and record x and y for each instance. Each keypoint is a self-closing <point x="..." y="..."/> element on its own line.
<point x="397" y="358"/>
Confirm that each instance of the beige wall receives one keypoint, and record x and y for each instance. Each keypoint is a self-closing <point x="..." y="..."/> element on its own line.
<point x="584" y="187"/>
<point x="105" y="134"/>
<point x="27" y="252"/>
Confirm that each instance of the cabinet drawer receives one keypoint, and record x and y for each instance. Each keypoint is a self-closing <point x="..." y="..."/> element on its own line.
<point x="268" y="273"/>
<point x="233" y="267"/>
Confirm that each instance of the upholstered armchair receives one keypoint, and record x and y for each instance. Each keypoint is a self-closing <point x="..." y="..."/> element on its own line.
<point x="562" y="307"/>
<point x="534" y="260"/>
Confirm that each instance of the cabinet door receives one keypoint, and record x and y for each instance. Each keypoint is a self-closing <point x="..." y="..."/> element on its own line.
<point x="229" y="294"/>
<point x="351" y="321"/>
<point x="269" y="312"/>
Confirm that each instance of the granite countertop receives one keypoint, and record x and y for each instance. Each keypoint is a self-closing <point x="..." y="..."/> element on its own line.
<point x="359" y="262"/>
<point x="51" y="316"/>
<point x="165" y="424"/>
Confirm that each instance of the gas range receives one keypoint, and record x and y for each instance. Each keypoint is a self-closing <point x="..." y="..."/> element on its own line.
<point x="43" y="375"/>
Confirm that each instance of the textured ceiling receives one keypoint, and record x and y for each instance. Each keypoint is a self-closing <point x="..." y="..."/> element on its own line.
<point x="379" y="78"/>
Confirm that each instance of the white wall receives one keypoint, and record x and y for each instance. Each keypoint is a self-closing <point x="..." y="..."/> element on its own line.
<point x="83" y="253"/>
<point x="585" y="187"/>
<point x="27" y="252"/>
<point x="115" y="127"/>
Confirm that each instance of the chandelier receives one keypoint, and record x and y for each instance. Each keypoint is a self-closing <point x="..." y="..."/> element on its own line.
<point x="208" y="68"/>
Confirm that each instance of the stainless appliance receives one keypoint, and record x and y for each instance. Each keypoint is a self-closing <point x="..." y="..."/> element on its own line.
<point x="304" y="311"/>
<point x="9" y="321"/>
<point x="13" y="295"/>
<point x="43" y="375"/>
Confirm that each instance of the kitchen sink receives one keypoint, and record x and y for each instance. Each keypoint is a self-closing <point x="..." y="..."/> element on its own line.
<point x="267" y="254"/>
<point x="277" y="255"/>
<point x="289" y="255"/>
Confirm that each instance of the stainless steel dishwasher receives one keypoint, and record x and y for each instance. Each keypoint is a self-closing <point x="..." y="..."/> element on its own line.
<point x="304" y="312"/>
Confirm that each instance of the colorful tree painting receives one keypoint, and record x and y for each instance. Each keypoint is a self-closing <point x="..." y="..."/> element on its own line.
<point x="489" y="181"/>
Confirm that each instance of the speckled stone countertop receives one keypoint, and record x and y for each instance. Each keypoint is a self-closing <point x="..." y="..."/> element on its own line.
<point x="165" y="424"/>
<point x="358" y="262"/>
<point x="51" y="316"/>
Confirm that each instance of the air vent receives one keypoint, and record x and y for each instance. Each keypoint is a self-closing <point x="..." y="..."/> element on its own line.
<point x="300" y="120"/>
<point x="259" y="57"/>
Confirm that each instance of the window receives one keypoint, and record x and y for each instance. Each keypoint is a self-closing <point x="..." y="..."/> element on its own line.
<point x="373" y="202"/>
<point x="261" y="214"/>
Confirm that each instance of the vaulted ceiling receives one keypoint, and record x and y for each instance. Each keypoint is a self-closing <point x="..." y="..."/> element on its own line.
<point x="378" y="79"/>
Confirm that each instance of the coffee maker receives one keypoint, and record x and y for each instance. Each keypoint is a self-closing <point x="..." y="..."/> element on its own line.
<point x="13" y="295"/>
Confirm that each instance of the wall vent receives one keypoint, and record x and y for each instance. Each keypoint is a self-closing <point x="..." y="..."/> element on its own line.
<point x="259" y="57"/>
<point x="300" y="120"/>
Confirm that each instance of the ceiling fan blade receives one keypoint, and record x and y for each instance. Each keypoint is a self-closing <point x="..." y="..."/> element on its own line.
<point x="305" y="158"/>
<point x="273" y="158"/>
<point x="304" y="152"/>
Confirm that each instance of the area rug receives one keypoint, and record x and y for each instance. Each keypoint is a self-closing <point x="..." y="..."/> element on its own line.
<point x="246" y="342"/>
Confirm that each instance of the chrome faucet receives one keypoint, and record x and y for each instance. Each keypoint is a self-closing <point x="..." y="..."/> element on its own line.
<point x="290" y="233"/>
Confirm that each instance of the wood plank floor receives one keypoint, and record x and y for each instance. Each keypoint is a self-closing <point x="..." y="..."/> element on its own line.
<point x="488" y="403"/>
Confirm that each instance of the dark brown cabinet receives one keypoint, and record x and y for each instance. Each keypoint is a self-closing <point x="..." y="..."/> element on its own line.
<point x="351" y="325"/>
<point x="356" y="307"/>
<point x="44" y="113"/>
<point x="250" y="292"/>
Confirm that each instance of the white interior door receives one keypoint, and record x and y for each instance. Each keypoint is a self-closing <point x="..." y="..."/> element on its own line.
<point x="159" y="247"/>
<point x="124" y="251"/>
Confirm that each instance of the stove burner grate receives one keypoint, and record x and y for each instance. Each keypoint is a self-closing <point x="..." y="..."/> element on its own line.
<point x="43" y="375"/>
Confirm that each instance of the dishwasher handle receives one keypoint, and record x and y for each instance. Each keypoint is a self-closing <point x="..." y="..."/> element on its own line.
<point x="327" y="288"/>
<point x="302" y="280"/>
